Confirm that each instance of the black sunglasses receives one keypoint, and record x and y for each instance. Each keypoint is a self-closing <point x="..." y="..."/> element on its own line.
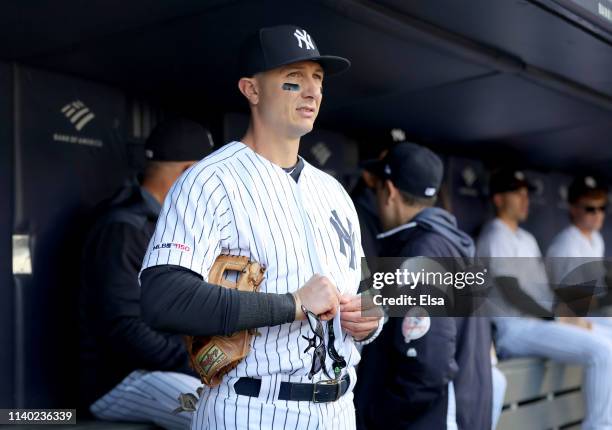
<point x="318" y="361"/>
<point x="593" y="209"/>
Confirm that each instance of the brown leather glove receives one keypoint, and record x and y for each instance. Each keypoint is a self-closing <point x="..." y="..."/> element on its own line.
<point x="213" y="357"/>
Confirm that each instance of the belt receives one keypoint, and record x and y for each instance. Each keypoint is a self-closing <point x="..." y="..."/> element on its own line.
<point x="319" y="392"/>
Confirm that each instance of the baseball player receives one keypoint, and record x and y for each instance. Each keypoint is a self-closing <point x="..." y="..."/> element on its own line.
<point x="576" y="253"/>
<point x="257" y="198"/>
<point x="518" y="335"/>
<point x="580" y="240"/>
<point x="131" y="372"/>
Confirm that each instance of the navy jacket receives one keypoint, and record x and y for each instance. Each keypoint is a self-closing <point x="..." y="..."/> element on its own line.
<point x="397" y="390"/>
<point x="114" y="339"/>
<point x="365" y="205"/>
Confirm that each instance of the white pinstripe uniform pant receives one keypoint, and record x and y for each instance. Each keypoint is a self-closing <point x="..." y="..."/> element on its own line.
<point x="520" y="337"/>
<point x="222" y="408"/>
<point x="150" y="397"/>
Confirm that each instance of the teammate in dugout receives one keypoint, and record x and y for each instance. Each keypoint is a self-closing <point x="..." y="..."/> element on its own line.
<point x="519" y="334"/>
<point x="129" y="371"/>
<point x="258" y="198"/>
<point x="439" y="378"/>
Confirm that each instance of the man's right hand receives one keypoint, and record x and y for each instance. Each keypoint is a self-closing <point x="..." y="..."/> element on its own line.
<point x="577" y="321"/>
<point x="319" y="296"/>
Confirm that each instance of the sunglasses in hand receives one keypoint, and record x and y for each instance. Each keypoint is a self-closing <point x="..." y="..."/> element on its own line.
<point x="320" y="351"/>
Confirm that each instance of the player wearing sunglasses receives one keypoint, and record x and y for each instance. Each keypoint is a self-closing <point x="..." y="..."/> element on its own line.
<point x="588" y="199"/>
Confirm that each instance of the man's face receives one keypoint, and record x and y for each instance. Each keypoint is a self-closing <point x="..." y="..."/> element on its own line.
<point x="387" y="206"/>
<point x="292" y="113"/>
<point x="588" y="213"/>
<point x="513" y="204"/>
<point x="381" y="193"/>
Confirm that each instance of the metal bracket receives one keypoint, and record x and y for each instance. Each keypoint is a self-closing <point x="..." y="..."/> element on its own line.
<point x="22" y="259"/>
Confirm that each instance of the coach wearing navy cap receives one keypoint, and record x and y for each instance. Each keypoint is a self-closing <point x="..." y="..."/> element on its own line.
<point x="441" y="379"/>
<point x="129" y="371"/>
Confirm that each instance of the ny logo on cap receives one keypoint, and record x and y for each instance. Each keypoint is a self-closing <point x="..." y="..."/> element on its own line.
<point x="302" y="36"/>
<point x="398" y="135"/>
<point x="590" y="182"/>
<point x="519" y="176"/>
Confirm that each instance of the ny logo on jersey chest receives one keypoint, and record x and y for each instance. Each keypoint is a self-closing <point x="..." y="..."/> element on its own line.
<point x="346" y="235"/>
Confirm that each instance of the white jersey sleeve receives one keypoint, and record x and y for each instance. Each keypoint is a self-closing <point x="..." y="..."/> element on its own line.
<point x="192" y="222"/>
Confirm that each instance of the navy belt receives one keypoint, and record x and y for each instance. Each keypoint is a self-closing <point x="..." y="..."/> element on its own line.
<point x="319" y="392"/>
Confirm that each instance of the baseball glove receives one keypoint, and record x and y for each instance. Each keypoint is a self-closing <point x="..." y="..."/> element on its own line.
<point x="213" y="357"/>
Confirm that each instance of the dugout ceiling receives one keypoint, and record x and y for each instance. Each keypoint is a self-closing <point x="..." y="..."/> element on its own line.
<point x="522" y="79"/>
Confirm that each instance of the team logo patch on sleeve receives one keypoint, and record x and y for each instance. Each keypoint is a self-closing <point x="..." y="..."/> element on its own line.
<point x="172" y="245"/>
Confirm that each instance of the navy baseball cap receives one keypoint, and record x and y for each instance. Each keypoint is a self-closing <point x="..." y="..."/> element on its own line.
<point x="506" y="180"/>
<point x="585" y="186"/>
<point x="178" y="140"/>
<point x="412" y="168"/>
<point x="272" y="47"/>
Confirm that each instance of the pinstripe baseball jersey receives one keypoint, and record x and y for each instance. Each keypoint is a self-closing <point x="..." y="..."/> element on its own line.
<point x="237" y="202"/>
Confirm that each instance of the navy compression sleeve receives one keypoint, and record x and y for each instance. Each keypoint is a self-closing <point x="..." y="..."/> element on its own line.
<point x="176" y="299"/>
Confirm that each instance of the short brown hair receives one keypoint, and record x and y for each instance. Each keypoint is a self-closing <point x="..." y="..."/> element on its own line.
<point x="412" y="200"/>
<point x="596" y="194"/>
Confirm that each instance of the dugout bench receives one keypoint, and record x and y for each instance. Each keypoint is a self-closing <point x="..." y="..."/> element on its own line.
<point x="541" y="394"/>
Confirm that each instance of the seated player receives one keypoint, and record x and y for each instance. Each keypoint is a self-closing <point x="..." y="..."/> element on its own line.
<point x="129" y="371"/>
<point x="514" y="253"/>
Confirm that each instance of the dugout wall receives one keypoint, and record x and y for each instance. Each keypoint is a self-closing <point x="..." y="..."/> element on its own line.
<point x="69" y="151"/>
<point x="6" y="194"/>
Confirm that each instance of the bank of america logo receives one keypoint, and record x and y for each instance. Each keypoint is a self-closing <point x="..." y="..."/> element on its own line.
<point x="78" y="114"/>
<point x="469" y="176"/>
